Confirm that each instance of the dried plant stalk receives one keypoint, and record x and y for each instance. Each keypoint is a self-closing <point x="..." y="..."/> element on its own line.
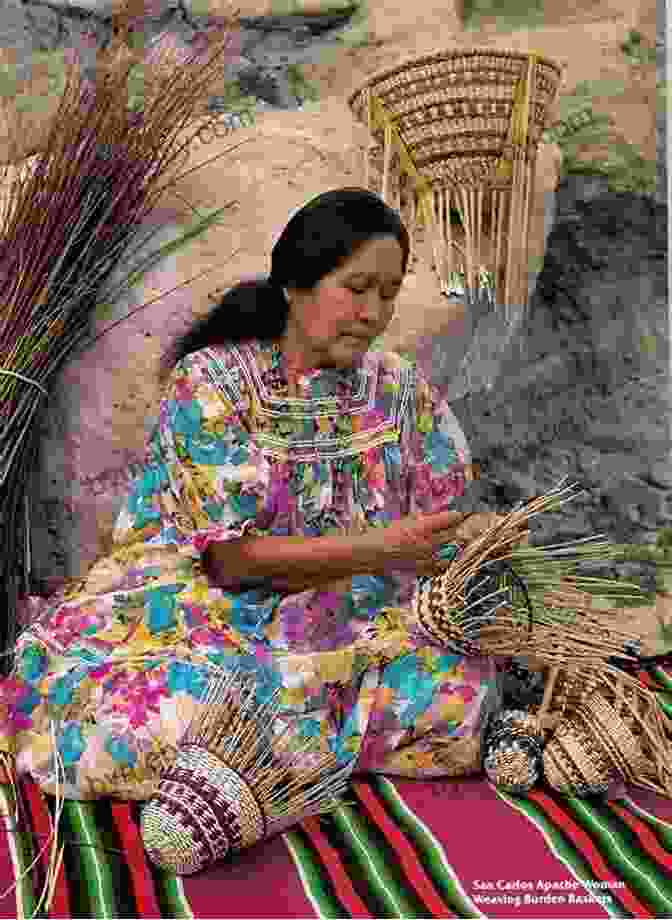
<point x="258" y="779"/>
<point x="68" y="219"/>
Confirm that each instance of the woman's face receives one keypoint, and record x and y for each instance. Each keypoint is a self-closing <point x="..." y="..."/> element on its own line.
<point x="335" y="323"/>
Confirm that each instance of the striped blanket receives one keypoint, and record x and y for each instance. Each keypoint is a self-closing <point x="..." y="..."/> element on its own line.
<point x="395" y="848"/>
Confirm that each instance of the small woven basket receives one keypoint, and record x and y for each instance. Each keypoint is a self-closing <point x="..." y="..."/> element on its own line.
<point x="607" y="728"/>
<point x="460" y="129"/>
<point x="596" y="728"/>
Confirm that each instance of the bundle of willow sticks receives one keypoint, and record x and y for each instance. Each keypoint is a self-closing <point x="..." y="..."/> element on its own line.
<point x="68" y="219"/>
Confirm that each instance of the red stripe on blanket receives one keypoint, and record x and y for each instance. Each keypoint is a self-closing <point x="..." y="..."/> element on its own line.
<point x="647" y="839"/>
<point x="338" y="875"/>
<point x="43" y="828"/>
<point x="127" y="829"/>
<point x="407" y="856"/>
<point x="8" y="882"/>
<point x="589" y="851"/>
<point x="487" y="844"/>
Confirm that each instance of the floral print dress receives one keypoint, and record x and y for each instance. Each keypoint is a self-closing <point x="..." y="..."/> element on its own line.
<point x="119" y="662"/>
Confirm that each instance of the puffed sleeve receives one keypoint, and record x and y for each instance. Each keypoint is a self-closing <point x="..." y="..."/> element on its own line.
<point x="439" y="458"/>
<point x="204" y="479"/>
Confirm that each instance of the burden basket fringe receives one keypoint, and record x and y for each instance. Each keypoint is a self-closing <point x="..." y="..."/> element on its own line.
<point x="458" y="130"/>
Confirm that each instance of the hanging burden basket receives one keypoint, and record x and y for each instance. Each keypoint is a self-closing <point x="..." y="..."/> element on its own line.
<point x="458" y="130"/>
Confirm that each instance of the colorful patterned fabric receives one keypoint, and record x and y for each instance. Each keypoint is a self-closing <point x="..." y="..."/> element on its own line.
<point x="119" y="662"/>
<point x="396" y="848"/>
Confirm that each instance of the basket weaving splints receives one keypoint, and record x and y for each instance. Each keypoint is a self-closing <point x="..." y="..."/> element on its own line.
<point x="237" y="778"/>
<point x="499" y="598"/>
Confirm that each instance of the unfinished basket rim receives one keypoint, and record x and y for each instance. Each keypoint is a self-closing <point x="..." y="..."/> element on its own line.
<point x="446" y="54"/>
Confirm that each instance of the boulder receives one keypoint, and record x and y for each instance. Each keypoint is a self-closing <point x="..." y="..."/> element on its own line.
<point x="584" y="390"/>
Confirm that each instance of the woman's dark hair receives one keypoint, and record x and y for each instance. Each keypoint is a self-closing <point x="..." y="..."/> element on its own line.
<point x="318" y="239"/>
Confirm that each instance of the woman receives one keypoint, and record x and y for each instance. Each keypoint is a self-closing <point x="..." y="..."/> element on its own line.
<point x="294" y="487"/>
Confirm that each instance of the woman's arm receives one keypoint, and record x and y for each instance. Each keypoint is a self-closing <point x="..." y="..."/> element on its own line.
<point x="294" y="564"/>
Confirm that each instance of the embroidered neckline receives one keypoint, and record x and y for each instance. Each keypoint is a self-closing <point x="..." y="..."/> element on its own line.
<point x="355" y="384"/>
<point x="316" y="427"/>
<point x="347" y="375"/>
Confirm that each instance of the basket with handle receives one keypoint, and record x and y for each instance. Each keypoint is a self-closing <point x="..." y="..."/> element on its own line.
<point x="458" y="131"/>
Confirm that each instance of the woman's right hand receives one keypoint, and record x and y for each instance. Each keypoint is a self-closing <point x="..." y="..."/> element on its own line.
<point x="414" y="540"/>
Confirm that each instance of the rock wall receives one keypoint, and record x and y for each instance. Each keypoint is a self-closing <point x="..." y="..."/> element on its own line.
<point x="584" y="391"/>
<point x="263" y="52"/>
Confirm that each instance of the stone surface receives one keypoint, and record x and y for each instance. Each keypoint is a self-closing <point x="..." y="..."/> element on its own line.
<point x="662" y="109"/>
<point x="264" y="50"/>
<point x="584" y="390"/>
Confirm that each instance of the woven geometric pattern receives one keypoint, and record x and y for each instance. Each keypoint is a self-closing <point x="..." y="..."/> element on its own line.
<point x="513" y="751"/>
<point x="574" y="764"/>
<point x="598" y="741"/>
<point x="432" y="603"/>
<point x="201" y="811"/>
<point x="455" y="615"/>
<point x="453" y="109"/>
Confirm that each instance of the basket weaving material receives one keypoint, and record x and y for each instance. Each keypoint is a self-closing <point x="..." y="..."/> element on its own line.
<point x="513" y="751"/>
<point x="488" y="612"/>
<point x="574" y="765"/>
<point x="462" y="614"/>
<point x="203" y="811"/>
<point x="611" y="729"/>
<point x="460" y="129"/>
<point x="234" y="781"/>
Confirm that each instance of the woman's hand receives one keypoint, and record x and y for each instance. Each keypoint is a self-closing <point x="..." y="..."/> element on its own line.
<point x="478" y="524"/>
<point x="414" y="541"/>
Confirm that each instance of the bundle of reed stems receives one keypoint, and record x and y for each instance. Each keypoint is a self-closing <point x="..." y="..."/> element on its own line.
<point x="499" y="597"/>
<point x="69" y="218"/>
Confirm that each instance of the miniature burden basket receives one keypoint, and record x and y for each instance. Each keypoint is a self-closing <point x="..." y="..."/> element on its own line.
<point x="459" y="130"/>
<point x="605" y="727"/>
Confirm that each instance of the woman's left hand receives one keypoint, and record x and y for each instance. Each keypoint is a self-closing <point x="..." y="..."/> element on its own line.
<point x="473" y="527"/>
<point x="478" y="524"/>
